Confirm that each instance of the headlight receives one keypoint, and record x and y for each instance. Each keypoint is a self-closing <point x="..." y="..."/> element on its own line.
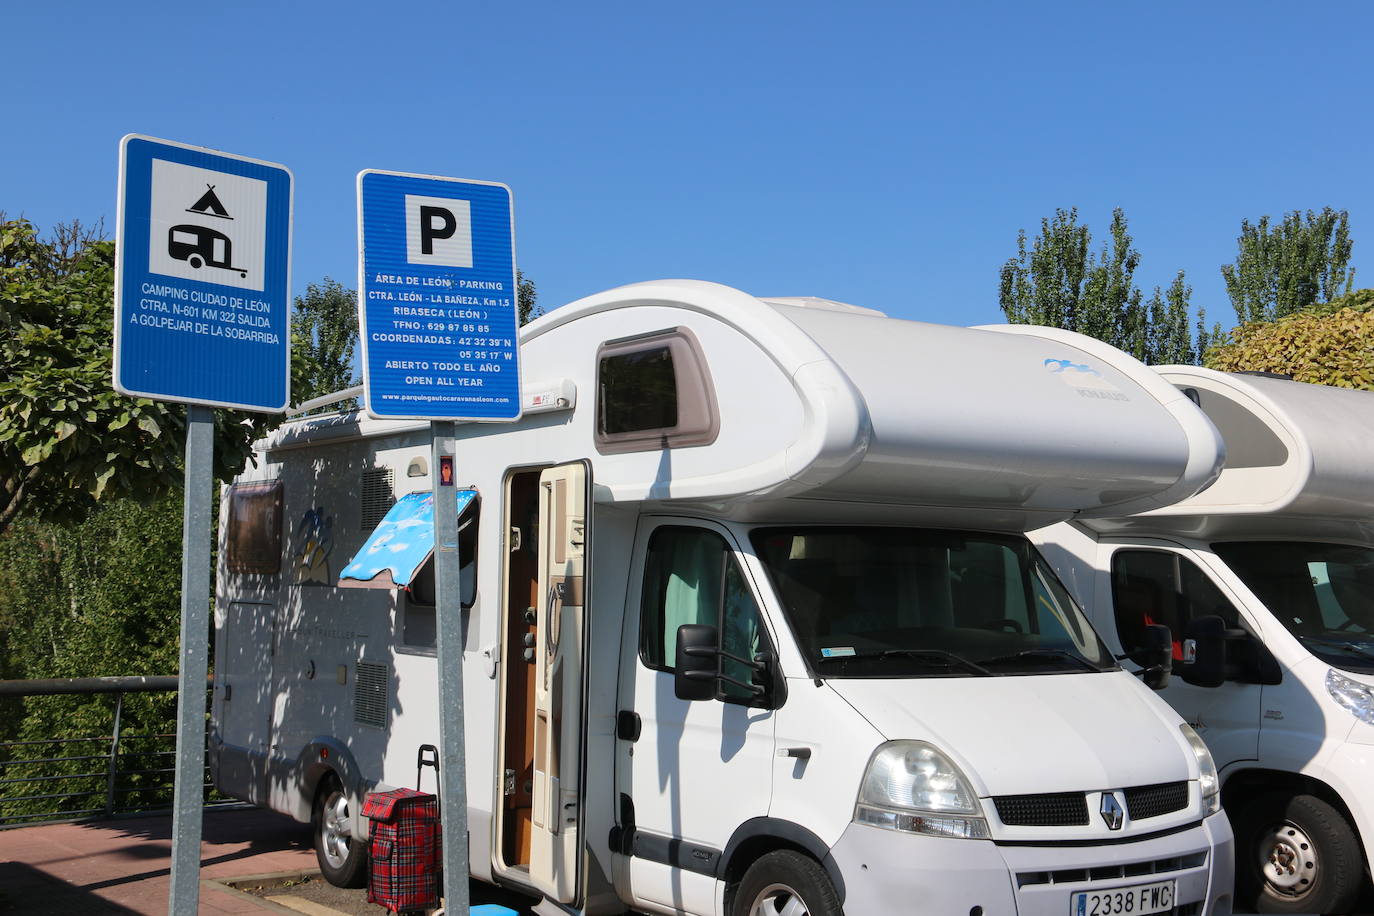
<point x="1352" y="695"/>
<point x="911" y="786"/>
<point x="1207" y="780"/>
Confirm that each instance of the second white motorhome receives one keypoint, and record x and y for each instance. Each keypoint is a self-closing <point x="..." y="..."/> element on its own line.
<point x="751" y="625"/>
<point x="1281" y="549"/>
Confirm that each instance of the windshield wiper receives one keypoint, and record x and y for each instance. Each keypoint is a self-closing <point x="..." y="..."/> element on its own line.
<point x="1350" y="647"/>
<point x="1040" y="654"/>
<point x="949" y="659"/>
<point x="937" y="654"/>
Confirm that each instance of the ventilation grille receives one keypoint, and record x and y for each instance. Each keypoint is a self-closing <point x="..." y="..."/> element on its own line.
<point x="378" y="495"/>
<point x="1116" y="872"/>
<point x="369" y="694"/>
<point x="1054" y="809"/>
<point x="1152" y="801"/>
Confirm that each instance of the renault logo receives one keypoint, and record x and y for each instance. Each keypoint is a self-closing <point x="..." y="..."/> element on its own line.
<point x="1111" y="811"/>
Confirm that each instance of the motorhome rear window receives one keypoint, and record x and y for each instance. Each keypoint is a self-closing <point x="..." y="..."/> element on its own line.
<point x="253" y="530"/>
<point x="653" y="392"/>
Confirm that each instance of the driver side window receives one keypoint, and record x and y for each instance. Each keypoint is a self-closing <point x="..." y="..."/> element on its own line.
<point x="691" y="576"/>
<point x="1162" y="587"/>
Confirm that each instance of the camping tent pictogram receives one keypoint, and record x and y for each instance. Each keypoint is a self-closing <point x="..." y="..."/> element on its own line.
<point x="209" y="204"/>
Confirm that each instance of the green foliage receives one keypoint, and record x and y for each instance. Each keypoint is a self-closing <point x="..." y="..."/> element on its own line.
<point x="1325" y="349"/>
<point x="67" y="440"/>
<point x="1361" y="300"/>
<point x="1281" y="270"/>
<point x="324" y="337"/>
<point x="526" y="299"/>
<point x="1058" y="284"/>
<point x="96" y="597"/>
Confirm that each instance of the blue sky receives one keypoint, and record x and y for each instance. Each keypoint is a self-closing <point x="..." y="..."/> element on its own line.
<point x="883" y="154"/>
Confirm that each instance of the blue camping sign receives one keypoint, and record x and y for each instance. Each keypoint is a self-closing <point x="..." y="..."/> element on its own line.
<point x="437" y="309"/>
<point x="202" y="273"/>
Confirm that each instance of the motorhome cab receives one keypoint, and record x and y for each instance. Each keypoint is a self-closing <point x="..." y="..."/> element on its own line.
<point x="1280" y="548"/>
<point x="751" y="623"/>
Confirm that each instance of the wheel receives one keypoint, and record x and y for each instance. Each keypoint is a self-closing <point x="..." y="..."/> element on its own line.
<point x="1295" y="854"/>
<point x="342" y="857"/>
<point x="195" y="261"/>
<point x="786" y="883"/>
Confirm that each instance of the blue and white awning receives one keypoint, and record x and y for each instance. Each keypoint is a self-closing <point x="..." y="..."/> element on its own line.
<point x="400" y="544"/>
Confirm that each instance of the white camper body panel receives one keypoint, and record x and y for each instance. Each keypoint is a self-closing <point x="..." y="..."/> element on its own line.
<point x="825" y="414"/>
<point x="1293" y="450"/>
<point x="1297" y="480"/>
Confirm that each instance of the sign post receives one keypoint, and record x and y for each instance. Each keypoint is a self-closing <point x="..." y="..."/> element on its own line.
<point x="438" y="323"/>
<point x="202" y="270"/>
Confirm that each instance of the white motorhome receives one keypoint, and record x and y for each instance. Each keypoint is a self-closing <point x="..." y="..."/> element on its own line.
<point x="751" y="625"/>
<point x="1280" y="548"/>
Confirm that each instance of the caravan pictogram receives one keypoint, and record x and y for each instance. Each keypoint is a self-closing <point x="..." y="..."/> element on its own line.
<point x="207" y="226"/>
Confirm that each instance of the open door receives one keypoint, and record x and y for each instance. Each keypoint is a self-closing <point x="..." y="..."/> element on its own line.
<point x="558" y="726"/>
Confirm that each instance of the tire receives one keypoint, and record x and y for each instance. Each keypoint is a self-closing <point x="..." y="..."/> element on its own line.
<point x="342" y="857"/>
<point x="786" y="881"/>
<point x="1295" y="854"/>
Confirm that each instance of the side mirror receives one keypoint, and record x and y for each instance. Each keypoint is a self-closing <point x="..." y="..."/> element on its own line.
<point x="1157" y="657"/>
<point x="698" y="658"/>
<point x="1207" y="636"/>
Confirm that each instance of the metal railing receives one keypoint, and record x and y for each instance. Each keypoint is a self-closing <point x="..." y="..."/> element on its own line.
<point x="76" y="777"/>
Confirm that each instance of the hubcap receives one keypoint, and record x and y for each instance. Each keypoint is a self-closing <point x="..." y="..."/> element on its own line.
<point x="1289" y="861"/>
<point x="778" y="900"/>
<point x="335" y="829"/>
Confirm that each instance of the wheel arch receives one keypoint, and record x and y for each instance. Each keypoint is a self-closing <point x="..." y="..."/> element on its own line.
<point x="1246" y="785"/>
<point x="759" y="836"/>
<point x="328" y="756"/>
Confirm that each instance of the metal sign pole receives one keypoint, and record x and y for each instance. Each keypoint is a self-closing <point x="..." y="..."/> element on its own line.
<point x="189" y="793"/>
<point x="449" y="624"/>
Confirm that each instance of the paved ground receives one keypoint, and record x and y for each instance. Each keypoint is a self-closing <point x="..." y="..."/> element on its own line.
<point x="124" y="867"/>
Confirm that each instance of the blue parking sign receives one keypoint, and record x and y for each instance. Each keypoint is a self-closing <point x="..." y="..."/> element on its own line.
<point x="437" y="312"/>
<point x="203" y="269"/>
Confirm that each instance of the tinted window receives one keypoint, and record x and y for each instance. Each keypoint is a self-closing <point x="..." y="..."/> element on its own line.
<point x="1164" y="588"/>
<point x="654" y="392"/>
<point x="1323" y="593"/>
<point x="253" y="531"/>
<point x="638" y="392"/>
<point x="418" y="626"/>
<point x="909" y="602"/>
<point x="691" y="576"/>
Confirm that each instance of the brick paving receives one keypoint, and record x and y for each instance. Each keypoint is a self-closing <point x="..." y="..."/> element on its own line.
<point x="124" y="866"/>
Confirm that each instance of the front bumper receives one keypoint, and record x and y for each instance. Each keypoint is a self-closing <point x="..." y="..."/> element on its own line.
<point x="886" y="871"/>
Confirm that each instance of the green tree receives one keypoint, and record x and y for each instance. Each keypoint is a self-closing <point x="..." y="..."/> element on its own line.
<point x="67" y="439"/>
<point x="80" y="599"/>
<point x="324" y="337"/>
<point x="1283" y="269"/>
<point x="1324" y="348"/>
<point x="526" y="298"/>
<point x="1059" y="284"/>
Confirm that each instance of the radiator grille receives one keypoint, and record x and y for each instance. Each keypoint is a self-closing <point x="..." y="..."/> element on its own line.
<point x="369" y="694"/>
<point x="1152" y="801"/>
<point x="1054" y="809"/>
<point x="1115" y="872"/>
<point x="378" y="495"/>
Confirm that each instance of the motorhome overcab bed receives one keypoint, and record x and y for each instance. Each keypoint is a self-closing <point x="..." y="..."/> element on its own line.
<point x="750" y="621"/>
<point x="1280" y="548"/>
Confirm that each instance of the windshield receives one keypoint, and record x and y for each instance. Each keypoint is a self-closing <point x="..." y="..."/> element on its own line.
<point x="906" y="602"/>
<point x="1323" y="593"/>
